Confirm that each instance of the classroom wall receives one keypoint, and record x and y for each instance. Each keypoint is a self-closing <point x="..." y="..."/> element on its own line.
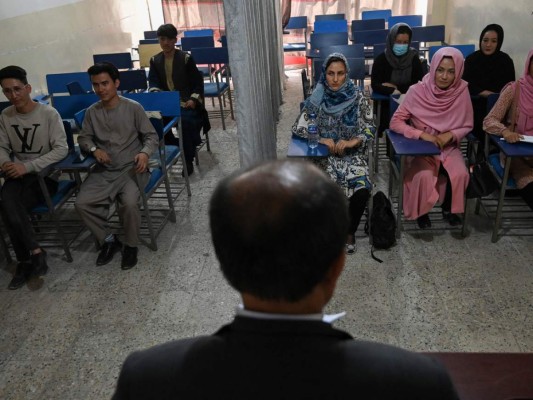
<point x="48" y="36"/>
<point x="464" y="20"/>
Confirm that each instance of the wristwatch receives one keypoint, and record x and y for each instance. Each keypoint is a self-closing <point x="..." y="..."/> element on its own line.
<point x="93" y="149"/>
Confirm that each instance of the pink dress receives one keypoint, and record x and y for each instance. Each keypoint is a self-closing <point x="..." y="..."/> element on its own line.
<point x="429" y="109"/>
<point x="422" y="185"/>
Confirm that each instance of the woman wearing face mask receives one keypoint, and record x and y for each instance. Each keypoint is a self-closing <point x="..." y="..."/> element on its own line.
<point x="437" y="109"/>
<point x="396" y="69"/>
<point x="487" y="71"/>
<point x="516" y="99"/>
<point x="344" y="120"/>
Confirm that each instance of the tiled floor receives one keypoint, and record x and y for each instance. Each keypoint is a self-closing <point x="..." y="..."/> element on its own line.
<point x="64" y="337"/>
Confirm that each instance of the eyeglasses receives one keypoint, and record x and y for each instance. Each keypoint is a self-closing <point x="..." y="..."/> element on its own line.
<point x="16" y="90"/>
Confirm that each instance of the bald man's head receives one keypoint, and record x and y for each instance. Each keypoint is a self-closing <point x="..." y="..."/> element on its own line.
<point x="277" y="228"/>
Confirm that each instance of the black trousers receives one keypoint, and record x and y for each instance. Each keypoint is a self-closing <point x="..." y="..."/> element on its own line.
<point x="356" y="206"/>
<point x="18" y="197"/>
<point x="191" y="125"/>
<point x="527" y="194"/>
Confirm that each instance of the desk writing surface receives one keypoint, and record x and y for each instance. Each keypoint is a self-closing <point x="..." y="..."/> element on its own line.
<point x="379" y="96"/>
<point x="69" y="164"/>
<point x="411" y="147"/>
<point x="490" y="376"/>
<point x="314" y="53"/>
<point x="520" y="149"/>
<point x="298" y="148"/>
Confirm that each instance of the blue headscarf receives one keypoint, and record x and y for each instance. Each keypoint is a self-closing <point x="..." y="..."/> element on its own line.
<point x="331" y="101"/>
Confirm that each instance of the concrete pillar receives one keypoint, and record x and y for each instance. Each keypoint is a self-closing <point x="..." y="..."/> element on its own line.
<point x="253" y="30"/>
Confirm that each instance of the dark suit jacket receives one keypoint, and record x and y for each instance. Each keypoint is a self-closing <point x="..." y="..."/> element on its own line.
<point x="187" y="80"/>
<point x="266" y="359"/>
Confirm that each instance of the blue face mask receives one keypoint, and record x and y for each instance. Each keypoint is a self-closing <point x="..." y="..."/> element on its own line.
<point x="400" y="49"/>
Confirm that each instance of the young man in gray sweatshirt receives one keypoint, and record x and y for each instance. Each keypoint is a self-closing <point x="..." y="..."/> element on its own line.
<point x="31" y="138"/>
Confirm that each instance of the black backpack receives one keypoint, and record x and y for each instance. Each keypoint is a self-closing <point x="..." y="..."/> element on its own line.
<point x="382" y="224"/>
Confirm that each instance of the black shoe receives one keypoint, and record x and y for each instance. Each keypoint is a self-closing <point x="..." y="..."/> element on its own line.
<point x="22" y="274"/>
<point x="38" y="262"/>
<point x="108" y="251"/>
<point x="423" y="221"/>
<point x="190" y="169"/>
<point x="129" y="257"/>
<point x="453" y="219"/>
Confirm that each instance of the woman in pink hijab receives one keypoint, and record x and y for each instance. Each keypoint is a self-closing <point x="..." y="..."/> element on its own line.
<point x="439" y="110"/>
<point x="500" y="118"/>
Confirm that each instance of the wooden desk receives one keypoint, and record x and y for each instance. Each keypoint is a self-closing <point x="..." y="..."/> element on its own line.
<point x="298" y="148"/>
<point x="490" y="376"/>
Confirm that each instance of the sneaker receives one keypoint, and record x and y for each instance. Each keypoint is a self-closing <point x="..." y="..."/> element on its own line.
<point x="38" y="261"/>
<point x="424" y="222"/>
<point x="108" y="251"/>
<point x="129" y="257"/>
<point x="22" y="275"/>
<point x="453" y="219"/>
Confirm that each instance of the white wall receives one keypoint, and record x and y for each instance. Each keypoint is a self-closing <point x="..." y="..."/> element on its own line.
<point x="465" y="19"/>
<point x="47" y="36"/>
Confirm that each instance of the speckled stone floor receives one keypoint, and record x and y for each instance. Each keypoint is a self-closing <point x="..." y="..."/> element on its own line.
<point x="65" y="336"/>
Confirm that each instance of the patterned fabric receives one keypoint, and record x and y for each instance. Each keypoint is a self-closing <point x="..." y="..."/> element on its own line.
<point x="354" y="120"/>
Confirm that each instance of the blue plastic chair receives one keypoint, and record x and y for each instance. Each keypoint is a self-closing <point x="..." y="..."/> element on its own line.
<point x="335" y="25"/>
<point x="376" y="14"/>
<point x="296" y="23"/>
<point x="133" y="80"/>
<point x="348" y="50"/>
<point x="431" y="33"/>
<point x="329" y="17"/>
<point x="370" y="38"/>
<point x="219" y="88"/>
<point x="119" y="60"/>
<point x="57" y="83"/>
<point x="198" y="32"/>
<point x="367" y="25"/>
<point x="466" y="49"/>
<point x="411" y="20"/>
<point x="319" y="40"/>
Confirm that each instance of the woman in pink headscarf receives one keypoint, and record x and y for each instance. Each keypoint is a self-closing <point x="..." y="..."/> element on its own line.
<point x="500" y="120"/>
<point x="439" y="110"/>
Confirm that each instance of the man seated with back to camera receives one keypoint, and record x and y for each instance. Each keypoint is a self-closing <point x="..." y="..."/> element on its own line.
<point x="117" y="132"/>
<point x="279" y="231"/>
<point x="173" y="69"/>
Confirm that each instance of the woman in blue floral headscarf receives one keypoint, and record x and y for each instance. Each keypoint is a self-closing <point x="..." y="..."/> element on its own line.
<point x="345" y="124"/>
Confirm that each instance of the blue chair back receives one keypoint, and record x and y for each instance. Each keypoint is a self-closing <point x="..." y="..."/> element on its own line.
<point x="4" y="105"/>
<point x="466" y="49"/>
<point x="68" y="106"/>
<point x="167" y="103"/>
<point x="376" y="14"/>
<point x="224" y="40"/>
<point x="335" y="25"/>
<point x="79" y="117"/>
<point x="150" y="34"/>
<point x="210" y="55"/>
<point x="57" y="83"/>
<point x="191" y="42"/>
<point x="491" y="100"/>
<point x="149" y="41"/>
<point x="431" y="33"/>
<point x="119" y="60"/>
<point x="370" y="38"/>
<point x="348" y="50"/>
<point x="75" y="88"/>
<point x="134" y="79"/>
<point x="297" y="23"/>
<point x="328" y="39"/>
<point x="198" y="32"/>
<point x="367" y="25"/>
<point x="411" y="20"/>
<point x="329" y="17"/>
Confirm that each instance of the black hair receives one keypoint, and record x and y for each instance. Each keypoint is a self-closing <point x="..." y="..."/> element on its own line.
<point x="277" y="228"/>
<point x="405" y="29"/>
<point x="13" y="72"/>
<point x="499" y="32"/>
<point x="168" y="31"/>
<point x="102" y="67"/>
